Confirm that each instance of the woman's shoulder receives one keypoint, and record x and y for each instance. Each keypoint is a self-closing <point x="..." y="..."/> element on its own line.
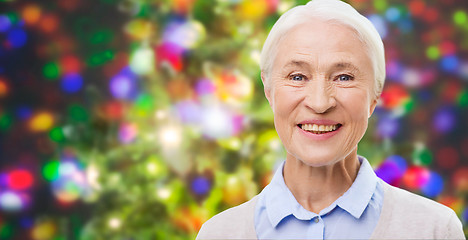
<point x="413" y="204"/>
<point x="233" y="223"/>
<point x="408" y="215"/>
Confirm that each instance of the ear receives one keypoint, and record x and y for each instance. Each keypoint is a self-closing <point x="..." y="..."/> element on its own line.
<point x="373" y="105"/>
<point x="266" y="89"/>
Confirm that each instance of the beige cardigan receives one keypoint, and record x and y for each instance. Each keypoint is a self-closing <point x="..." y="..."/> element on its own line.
<point x="404" y="216"/>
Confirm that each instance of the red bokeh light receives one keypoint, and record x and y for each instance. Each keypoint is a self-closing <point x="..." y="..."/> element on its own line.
<point x="416" y="177"/>
<point x="447" y="157"/>
<point x="417" y="7"/>
<point x="431" y="15"/>
<point x="460" y="179"/>
<point x="49" y="23"/>
<point x="114" y="110"/>
<point x="447" y="48"/>
<point x="170" y="54"/>
<point x="20" y="180"/>
<point x="4" y="89"/>
<point x="394" y="96"/>
<point x="70" y="64"/>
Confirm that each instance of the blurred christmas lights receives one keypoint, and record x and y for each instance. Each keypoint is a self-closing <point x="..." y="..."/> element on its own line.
<point x="148" y="122"/>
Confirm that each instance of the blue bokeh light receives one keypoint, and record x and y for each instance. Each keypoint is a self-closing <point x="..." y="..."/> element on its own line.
<point x="434" y="185"/>
<point x="23" y="112"/>
<point x="201" y="185"/>
<point x="72" y="83"/>
<point x="449" y="63"/>
<point x="444" y="120"/>
<point x="124" y="85"/>
<point x="393" y="14"/>
<point x="379" y="24"/>
<point x="465" y="215"/>
<point x="399" y="161"/>
<point x="392" y="169"/>
<point x="388" y="127"/>
<point x="5" y="23"/>
<point x="17" y="37"/>
<point x="27" y="222"/>
<point x="405" y="25"/>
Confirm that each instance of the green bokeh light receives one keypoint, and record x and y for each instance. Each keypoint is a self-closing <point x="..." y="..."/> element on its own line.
<point x="78" y="113"/>
<point x="433" y="52"/>
<point x="462" y="98"/>
<point x="13" y="16"/>
<point x="380" y="5"/>
<point x="51" y="70"/>
<point x="422" y="156"/>
<point x="56" y="134"/>
<point x="409" y="105"/>
<point x="51" y="170"/>
<point x="100" y="58"/>
<point x="460" y="18"/>
<point x="5" y="121"/>
<point x="6" y="230"/>
<point x="101" y="37"/>
<point x="144" y="105"/>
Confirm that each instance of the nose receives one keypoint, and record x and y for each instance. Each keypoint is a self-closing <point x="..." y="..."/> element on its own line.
<point x="320" y="96"/>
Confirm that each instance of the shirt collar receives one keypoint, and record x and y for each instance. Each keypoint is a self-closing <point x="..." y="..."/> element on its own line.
<point x="358" y="196"/>
<point x="280" y="202"/>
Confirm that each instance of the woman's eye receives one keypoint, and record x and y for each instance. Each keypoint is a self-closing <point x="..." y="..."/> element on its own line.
<point x="344" y="77"/>
<point x="297" y="77"/>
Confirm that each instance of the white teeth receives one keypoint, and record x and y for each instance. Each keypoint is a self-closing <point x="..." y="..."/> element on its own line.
<point x="319" y="128"/>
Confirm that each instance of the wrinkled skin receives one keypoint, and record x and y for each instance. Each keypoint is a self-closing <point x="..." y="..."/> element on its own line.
<point x="321" y="72"/>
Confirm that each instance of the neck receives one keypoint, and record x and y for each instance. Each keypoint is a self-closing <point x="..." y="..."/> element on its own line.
<point x="315" y="188"/>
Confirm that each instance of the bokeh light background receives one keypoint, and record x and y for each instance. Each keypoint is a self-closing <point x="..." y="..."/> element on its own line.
<point x="137" y="119"/>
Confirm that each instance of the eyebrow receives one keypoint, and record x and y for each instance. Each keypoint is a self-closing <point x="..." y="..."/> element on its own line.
<point x="344" y="65"/>
<point x="296" y="63"/>
<point x="336" y="66"/>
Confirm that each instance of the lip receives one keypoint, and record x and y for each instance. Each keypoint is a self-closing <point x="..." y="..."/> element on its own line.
<point x="319" y="122"/>
<point x="319" y="137"/>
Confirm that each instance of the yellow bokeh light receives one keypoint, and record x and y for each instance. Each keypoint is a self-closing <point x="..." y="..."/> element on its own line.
<point x="253" y="10"/>
<point x="142" y="61"/>
<point x="31" y="14"/>
<point x="44" y="231"/>
<point x="170" y="137"/>
<point x="92" y="176"/>
<point x="41" y="122"/>
<point x="114" y="223"/>
<point x="140" y="29"/>
<point x="3" y="88"/>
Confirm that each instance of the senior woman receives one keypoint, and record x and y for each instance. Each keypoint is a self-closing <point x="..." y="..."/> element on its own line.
<point x="323" y="69"/>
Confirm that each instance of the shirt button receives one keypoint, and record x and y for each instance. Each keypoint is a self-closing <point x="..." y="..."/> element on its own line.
<point x="316" y="220"/>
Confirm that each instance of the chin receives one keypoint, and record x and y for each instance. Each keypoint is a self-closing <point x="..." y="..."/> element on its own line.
<point x="317" y="158"/>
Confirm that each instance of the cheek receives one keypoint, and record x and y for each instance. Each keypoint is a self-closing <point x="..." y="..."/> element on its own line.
<point x="357" y="104"/>
<point x="285" y="101"/>
<point x="356" y="107"/>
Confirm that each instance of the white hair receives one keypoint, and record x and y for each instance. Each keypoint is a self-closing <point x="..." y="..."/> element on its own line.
<point x="329" y="11"/>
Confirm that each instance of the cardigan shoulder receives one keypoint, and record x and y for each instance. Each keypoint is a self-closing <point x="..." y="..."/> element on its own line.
<point x="404" y="216"/>
<point x="407" y="215"/>
<point x="233" y="223"/>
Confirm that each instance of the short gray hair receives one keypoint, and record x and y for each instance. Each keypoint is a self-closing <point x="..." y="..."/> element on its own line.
<point x="326" y="10"/>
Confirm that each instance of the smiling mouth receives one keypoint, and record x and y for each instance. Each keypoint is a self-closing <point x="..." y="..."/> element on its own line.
<point x="319" y="129"/>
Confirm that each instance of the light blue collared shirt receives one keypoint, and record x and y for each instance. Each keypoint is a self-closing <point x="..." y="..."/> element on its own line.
<point x="354" y="215"/>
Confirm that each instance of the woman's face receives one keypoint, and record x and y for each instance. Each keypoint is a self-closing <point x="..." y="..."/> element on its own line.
<point x="322" y="92"/>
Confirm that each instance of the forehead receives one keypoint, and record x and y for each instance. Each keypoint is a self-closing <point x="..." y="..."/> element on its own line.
<point x="318" y="42"/>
